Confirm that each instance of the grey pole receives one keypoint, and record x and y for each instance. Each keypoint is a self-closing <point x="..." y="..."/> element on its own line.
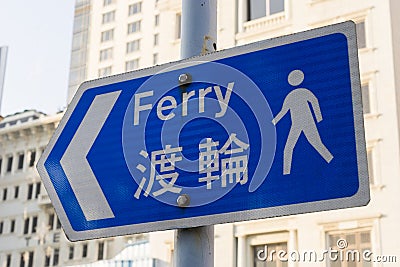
<point x="199" y="27"/>
<point x="194" y="247"/>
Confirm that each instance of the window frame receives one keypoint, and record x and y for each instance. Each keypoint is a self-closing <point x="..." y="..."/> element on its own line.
<point x="100" y="250"/>
<point x="21" y="160"/>
<point x="106" y="54"/>
<point x="108" y="17"/>
<point x="107" y="36"/>
<point x="106" y="71"/>
<point x="364" y="38"/>
<point x="342" y="234"/>
<point x="267" y="11"/>
<point x="32" y="158"/>
<point x="85" y="250"/>
<point x="134" y="61"/>
<point x="135" y="8"/>
<point x="133" y="46"/>
<point x="156" y="41"/>
<point x="108" y="2"/>
<point x="134" y="27"/>
<point x="71" y="252"/>
<point x="9" y="167"/>
<point x="4" y="196"/>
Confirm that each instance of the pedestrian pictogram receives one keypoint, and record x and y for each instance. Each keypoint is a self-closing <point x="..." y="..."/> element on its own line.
<point x="298" y="103"/>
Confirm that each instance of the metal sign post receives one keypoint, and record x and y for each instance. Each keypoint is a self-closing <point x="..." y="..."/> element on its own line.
<point x="195" y="246"/>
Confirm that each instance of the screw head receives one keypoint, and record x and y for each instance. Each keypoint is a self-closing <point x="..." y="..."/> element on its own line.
<point x="183" y="200"/>
<point x="183" y="78"/>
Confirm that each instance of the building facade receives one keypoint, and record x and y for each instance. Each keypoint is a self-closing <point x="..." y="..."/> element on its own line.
<point x="3" y="60"/>
<point x="30" y="232"/>
<point x="115" y="36"/>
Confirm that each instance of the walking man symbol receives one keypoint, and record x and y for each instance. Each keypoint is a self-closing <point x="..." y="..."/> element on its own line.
<point x="302" y="120"/>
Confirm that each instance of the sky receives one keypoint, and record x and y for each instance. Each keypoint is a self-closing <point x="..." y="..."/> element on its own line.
<point x="38" y="35"/>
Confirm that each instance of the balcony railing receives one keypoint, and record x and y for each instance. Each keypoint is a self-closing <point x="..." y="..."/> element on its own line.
<point x="264" y="22"/>
<point x="44" y="199"/>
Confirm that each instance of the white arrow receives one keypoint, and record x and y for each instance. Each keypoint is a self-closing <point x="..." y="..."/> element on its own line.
<point x="76" y="167"/>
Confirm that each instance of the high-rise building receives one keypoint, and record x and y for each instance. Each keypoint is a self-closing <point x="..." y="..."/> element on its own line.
<point x="3" y="59"/>
<point x="114" y="36"/>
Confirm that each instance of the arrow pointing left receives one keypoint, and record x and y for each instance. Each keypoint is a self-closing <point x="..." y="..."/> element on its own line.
<point x="76" y="167"/>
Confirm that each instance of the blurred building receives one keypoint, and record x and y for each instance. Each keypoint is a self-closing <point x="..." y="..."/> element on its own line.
<point x="115" y="36"/>
<point x="3" y="60"/>
<point x="30" y="232"/>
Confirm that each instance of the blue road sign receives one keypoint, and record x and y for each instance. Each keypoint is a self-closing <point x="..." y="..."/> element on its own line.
<point x="267" y="129"/>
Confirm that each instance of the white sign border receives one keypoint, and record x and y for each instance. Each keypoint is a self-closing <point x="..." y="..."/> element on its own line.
<point x="361" y="198"/>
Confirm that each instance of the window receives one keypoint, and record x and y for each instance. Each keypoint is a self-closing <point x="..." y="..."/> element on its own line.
<point x="105" y="71"/>
<point x="108" y="2"/>
<point x="81" y="22"/>
<point x="108" y="17"/>
<point x="16" y="192"/>
<point x="370" y="162"/>
<point x="20" y="161"/>
<point x="53" y="222"/>
<point x="155" y="59"/>
<point x="32" y="158"/>
<point x="365" y="98"/>
<point x="30" y="191"/>
<point x="156" y="20"/>
<point x="135" y="8"/>
<point x="178" y="19"/>
<point x="267" y="248"/>
<point x="132" y="64"/>
<point x="356" y="241"/>
<point x="26" y="226"/>
<point x="37" y="192"/>
<point x="1" y="227"/>
<point x="30" y="223"/>
<point x="58" y="224"/>
<point x="47" y="261"/>
<point x="78" y="58"/>
<point x="33" y="191"/>
<point x="56" y="237"/>
<point x="8" y="260"/>
<point x="12" y="226"/>
<point x="100" y="251"/>
<point x="107" y="35"/>
<point x="156" y="39"/>
<point x="9" y="163"/>
<point x="34" y="224"/>
<point x="106" y="54"/>
<point x="56" y="255"/>
<point x="133" y="46"/>
<point x="4" y="194"/>
<point x="84" y="250"/>
<point x="262" y="8"/>
<point x="71" y="252"/>
<point x="361" y="35"/>
<point x="30" y="261"/>
<point x="134" y="27"/>
<point x="26" y="259"/>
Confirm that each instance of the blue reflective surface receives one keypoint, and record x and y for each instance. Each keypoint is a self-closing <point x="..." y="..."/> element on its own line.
<point x="115" y="153"/>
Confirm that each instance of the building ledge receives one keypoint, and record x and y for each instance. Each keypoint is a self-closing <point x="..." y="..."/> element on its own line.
<point x="264" y="25"/>
<point x="44" y="200"/>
